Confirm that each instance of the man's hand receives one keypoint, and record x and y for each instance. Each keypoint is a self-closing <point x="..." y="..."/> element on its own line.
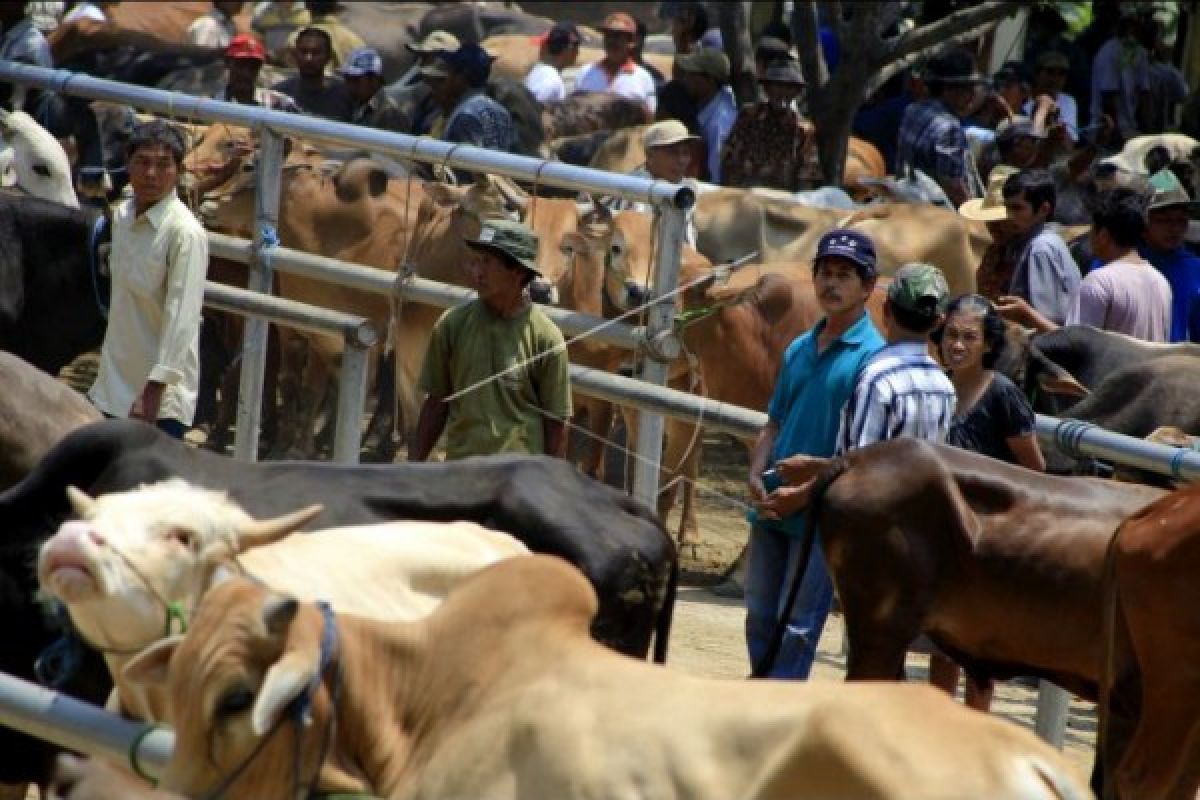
<point x="785" y="501"/>
<point x="145" y="407"/>
<point x="800" y="469"/>
<point x="1016" y="309"/>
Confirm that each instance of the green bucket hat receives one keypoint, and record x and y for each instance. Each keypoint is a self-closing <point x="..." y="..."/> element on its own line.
<point x="919" y="288"/>
<point x="510" y="240"/>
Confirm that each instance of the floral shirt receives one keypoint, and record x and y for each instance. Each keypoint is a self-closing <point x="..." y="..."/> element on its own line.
<point x="769" y="147"/>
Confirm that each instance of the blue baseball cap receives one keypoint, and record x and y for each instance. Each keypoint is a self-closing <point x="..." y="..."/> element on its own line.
<point x="363" y="61"/>
<point x="850" y="244"/>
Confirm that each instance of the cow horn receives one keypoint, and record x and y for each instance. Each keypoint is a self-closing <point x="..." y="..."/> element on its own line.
<point x="81" y="502"/>
<point x="584" y="207"/>
<point x="257" y="533"/>
<point x="513" y="194"/>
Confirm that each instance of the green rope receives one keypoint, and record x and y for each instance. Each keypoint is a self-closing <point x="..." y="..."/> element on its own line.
<point x="175" y="613"/>
<point x="686" y="319"/>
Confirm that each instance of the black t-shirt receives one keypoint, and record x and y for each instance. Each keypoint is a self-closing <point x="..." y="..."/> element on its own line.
<point x="1001" y="413"/>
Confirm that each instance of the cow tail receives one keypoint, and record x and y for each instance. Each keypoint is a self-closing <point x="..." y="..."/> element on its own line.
<point x="666" y="614"/>
<point x="815" y="499"/>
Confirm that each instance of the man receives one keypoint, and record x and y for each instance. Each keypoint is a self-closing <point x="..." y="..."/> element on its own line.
<point x="315" y="92"/>
<point x="902" y="391"/>
<point x="1050" y="79"/>
<point x="496" y="369"/>
<point x="215" y="28"/>
<point x="1125" y="295"/>
<point x="704" y="73"/>
<point x="276" y="22"/>
<point x="244" y="59"/>
<point x="373" y="107"/>
<point x="617" y="72"/>
<point x="668" y="146"/>
<point x="456" y="83"/>
<point x="149" y="362"/>
<point x="769" y="51"/>
<point x="21" y="41"/>
<point x="771" y="143"/>
<point x="1163" y="246"/>
<point x="410" y="92"/>
<point x="342" y="40"/>
<point x="559" y="51"/>
<point x="993" y="276"/>
<point x="1045" y="275"/>
<point x="1121" y="80"/>
<point x="931" y="138"/>
<point x="816" y="378"/>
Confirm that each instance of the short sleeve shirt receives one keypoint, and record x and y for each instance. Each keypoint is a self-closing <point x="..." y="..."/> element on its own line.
<point x="931" y="139"/>
<point x="469" y="346"/>
<point x="546" y="84"/>
<point x="1001" y="414"/>
<point x="332" y="100"/>
<point x="630" y="81"/>
<point x="1046" y="274"/>
<point x="1126" y="296"/>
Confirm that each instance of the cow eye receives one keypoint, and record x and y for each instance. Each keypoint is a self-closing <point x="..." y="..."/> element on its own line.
<point x="42" y="169"/>
<point x="236" y="701"/>
<point x="182" y="536"/>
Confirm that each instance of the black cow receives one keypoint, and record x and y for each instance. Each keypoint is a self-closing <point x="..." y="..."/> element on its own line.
<point x="49" y="295"/>
<point x="546" y="503"/>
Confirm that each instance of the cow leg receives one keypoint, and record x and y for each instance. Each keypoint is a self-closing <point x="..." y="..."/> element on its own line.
<point x="1162" y="753"/>
<point x="600" y="415"/>
<point x="379" y="444"/>
<point x="294" y="353"/>
<point x="681" y="464"/>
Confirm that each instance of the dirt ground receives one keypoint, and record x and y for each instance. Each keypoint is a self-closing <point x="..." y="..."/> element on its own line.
<point x="707" y="636"/>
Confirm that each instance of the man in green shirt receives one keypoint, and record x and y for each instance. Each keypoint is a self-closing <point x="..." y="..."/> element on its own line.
<point x="496" y="368"/>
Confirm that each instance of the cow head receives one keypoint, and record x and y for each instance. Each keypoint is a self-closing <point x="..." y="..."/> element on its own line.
<point x="131" y="555"/>
<point x="249" y="655"/>
<point x="38" y="162"/>
<point x="1038" y="376"/>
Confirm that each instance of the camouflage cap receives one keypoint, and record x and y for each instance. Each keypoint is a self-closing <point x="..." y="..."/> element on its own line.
<point x="510" y="240"/>
<point x="919" y="288"/>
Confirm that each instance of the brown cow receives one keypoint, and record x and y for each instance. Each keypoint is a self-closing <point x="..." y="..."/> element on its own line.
<point x="500" y="693"/>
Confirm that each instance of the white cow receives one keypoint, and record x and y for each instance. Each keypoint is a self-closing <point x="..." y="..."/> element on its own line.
<point x="33" y="160"/>
<point x="136" y="564"/>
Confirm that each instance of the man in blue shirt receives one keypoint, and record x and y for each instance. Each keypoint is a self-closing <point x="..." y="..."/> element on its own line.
<point x="704" y="74"/>
<point x="818" y="373"/>
<point x="1166" y="227"/>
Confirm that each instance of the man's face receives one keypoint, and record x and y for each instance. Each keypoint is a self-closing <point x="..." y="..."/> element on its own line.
<point x="243" y="74"/>
<point x="312" y="56"/>
<point x="1024" y="152"/>
<point x="781" y="95"/>
<point x="152" y="173"/>
<point x="1051" y="80"/>
<point x="1166" y="228"/>
<point x="1014" y="94"/>
<point x="838" y="285"/>
<point x="445" y="90"/>
<point x="1022" y="216"/>
<point x="362" y="87"/>
<point x="618" y="47"/>
<point x="669" y="162"/>
<point x="493" y="278"/>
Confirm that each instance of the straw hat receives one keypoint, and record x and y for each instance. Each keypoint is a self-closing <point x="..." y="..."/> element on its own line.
<point x="990" y="207"/>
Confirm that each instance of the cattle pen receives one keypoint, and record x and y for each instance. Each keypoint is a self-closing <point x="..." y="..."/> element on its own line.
<point x="51" y="716"/>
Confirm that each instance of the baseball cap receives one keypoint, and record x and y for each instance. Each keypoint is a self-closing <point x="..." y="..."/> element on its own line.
<point x="470" y="60"/>
<point x="620" y="22"/>
<point x="1169" y="192"/>
<point x="246" y="46"/>
<point x="510" y="240"/>
<point x="919" y="288"/>
<point x="784" y="71"/>
<point x="705" y="61"/>
<point x="560" y="37"/>
<point x="669" y="131"/>
<point x="363" y="61"/>
<point x="435" y="42"/>
<point x="850" y="244"/>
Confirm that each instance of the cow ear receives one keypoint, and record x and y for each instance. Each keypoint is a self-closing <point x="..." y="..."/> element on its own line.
<point x="1063" y="383"/>
<point x="284" y="682"/>
<point x="257" y="533"/>
<point x="278" y="613"/>
<point x="574" y="242"/>
<point x="149" y="667"/>
<point x="81" y="502"/>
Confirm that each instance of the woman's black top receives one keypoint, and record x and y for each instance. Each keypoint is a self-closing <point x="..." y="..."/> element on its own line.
<point x="1001" y="413"/>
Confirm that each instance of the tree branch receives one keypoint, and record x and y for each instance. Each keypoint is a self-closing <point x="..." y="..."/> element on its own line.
<point x="920" y="40"/>
<point x="884" y="74"/>
<point x="804" y="23"/>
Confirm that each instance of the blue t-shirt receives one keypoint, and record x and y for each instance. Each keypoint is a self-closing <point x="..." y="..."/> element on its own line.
<point x="810" y="392"/>
<point x="1182" y="270"/>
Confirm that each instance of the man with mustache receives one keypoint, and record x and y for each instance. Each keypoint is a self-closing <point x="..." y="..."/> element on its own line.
<point x="819" y="372"/>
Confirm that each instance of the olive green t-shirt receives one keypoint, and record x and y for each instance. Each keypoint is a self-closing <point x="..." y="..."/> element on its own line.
<point x="471" y="344"/>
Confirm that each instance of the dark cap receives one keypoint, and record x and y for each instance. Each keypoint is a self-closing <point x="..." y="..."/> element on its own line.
<point x="471" y="61"/>
<point x="919" y="288"/>
<point x="850" y="244"/>
<point x="510" y="240"/>
<point x="955" y="68"/>
<point x="562" y="36"/>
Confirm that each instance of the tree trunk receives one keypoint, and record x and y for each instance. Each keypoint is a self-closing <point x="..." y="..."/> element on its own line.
<point x="734" y="19"/>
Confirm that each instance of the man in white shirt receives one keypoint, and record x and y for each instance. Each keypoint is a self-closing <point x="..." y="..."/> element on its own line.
<point x="216" y="28"/>
<point x="150" y="360"/>
<point x="705" y="75"/>
<point x="1121" y="81"/>
<point x="617" y="72"/>
<point x="1049" y="79"/>
<point x="560" y="50"/>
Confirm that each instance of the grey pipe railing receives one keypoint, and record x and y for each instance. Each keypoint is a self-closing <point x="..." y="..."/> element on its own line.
<point x="1075" y="438"/>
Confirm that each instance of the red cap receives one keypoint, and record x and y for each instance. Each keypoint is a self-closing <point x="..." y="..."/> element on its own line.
<point x="620" y="22"/>
<point x="246" y="46"/>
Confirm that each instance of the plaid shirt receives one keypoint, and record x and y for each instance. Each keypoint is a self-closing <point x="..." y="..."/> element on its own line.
<point x="932" y="140"/>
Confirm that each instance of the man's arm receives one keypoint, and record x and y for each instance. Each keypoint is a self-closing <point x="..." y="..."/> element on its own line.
<point x="1017" y="309"/>
<point x="430" y="424"/>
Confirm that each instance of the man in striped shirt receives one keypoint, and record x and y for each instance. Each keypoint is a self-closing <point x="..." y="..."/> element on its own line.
<point x="902" y="391"/>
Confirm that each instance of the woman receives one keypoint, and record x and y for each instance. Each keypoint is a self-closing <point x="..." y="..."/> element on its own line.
<point x="993" y="419"/>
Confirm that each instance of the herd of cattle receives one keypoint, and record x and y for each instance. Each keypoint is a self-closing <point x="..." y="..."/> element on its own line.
<point x="456" y="659"/>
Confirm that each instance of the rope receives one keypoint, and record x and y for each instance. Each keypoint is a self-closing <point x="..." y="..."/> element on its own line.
<point x="134" y="762"/>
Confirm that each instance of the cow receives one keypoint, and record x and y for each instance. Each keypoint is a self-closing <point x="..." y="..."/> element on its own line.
<point x="1001" y="566"/>
<point x="618" y="543"/>
<point x="587" y="112"/>
<point x="39" y="165"/>
<point x="36" y="410"/>
<point x="134" y="559"/>
<point x="499" y="693"/>
<point x="1154" y="560"/>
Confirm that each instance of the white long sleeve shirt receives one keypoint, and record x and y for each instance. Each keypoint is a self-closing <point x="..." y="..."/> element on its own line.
<point x="159" y="261"/>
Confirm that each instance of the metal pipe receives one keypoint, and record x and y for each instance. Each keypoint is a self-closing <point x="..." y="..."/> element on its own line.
<point x="670" y="227"/>
<point x="79" y="726"/>
<point x="1050" y="722"/>
<point x="268" y="177"/>
<point x="290" y="313"/>
<point x="352" y="395"/>
<point x="1077" y="438"/>
<point x="397" y="145"/>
